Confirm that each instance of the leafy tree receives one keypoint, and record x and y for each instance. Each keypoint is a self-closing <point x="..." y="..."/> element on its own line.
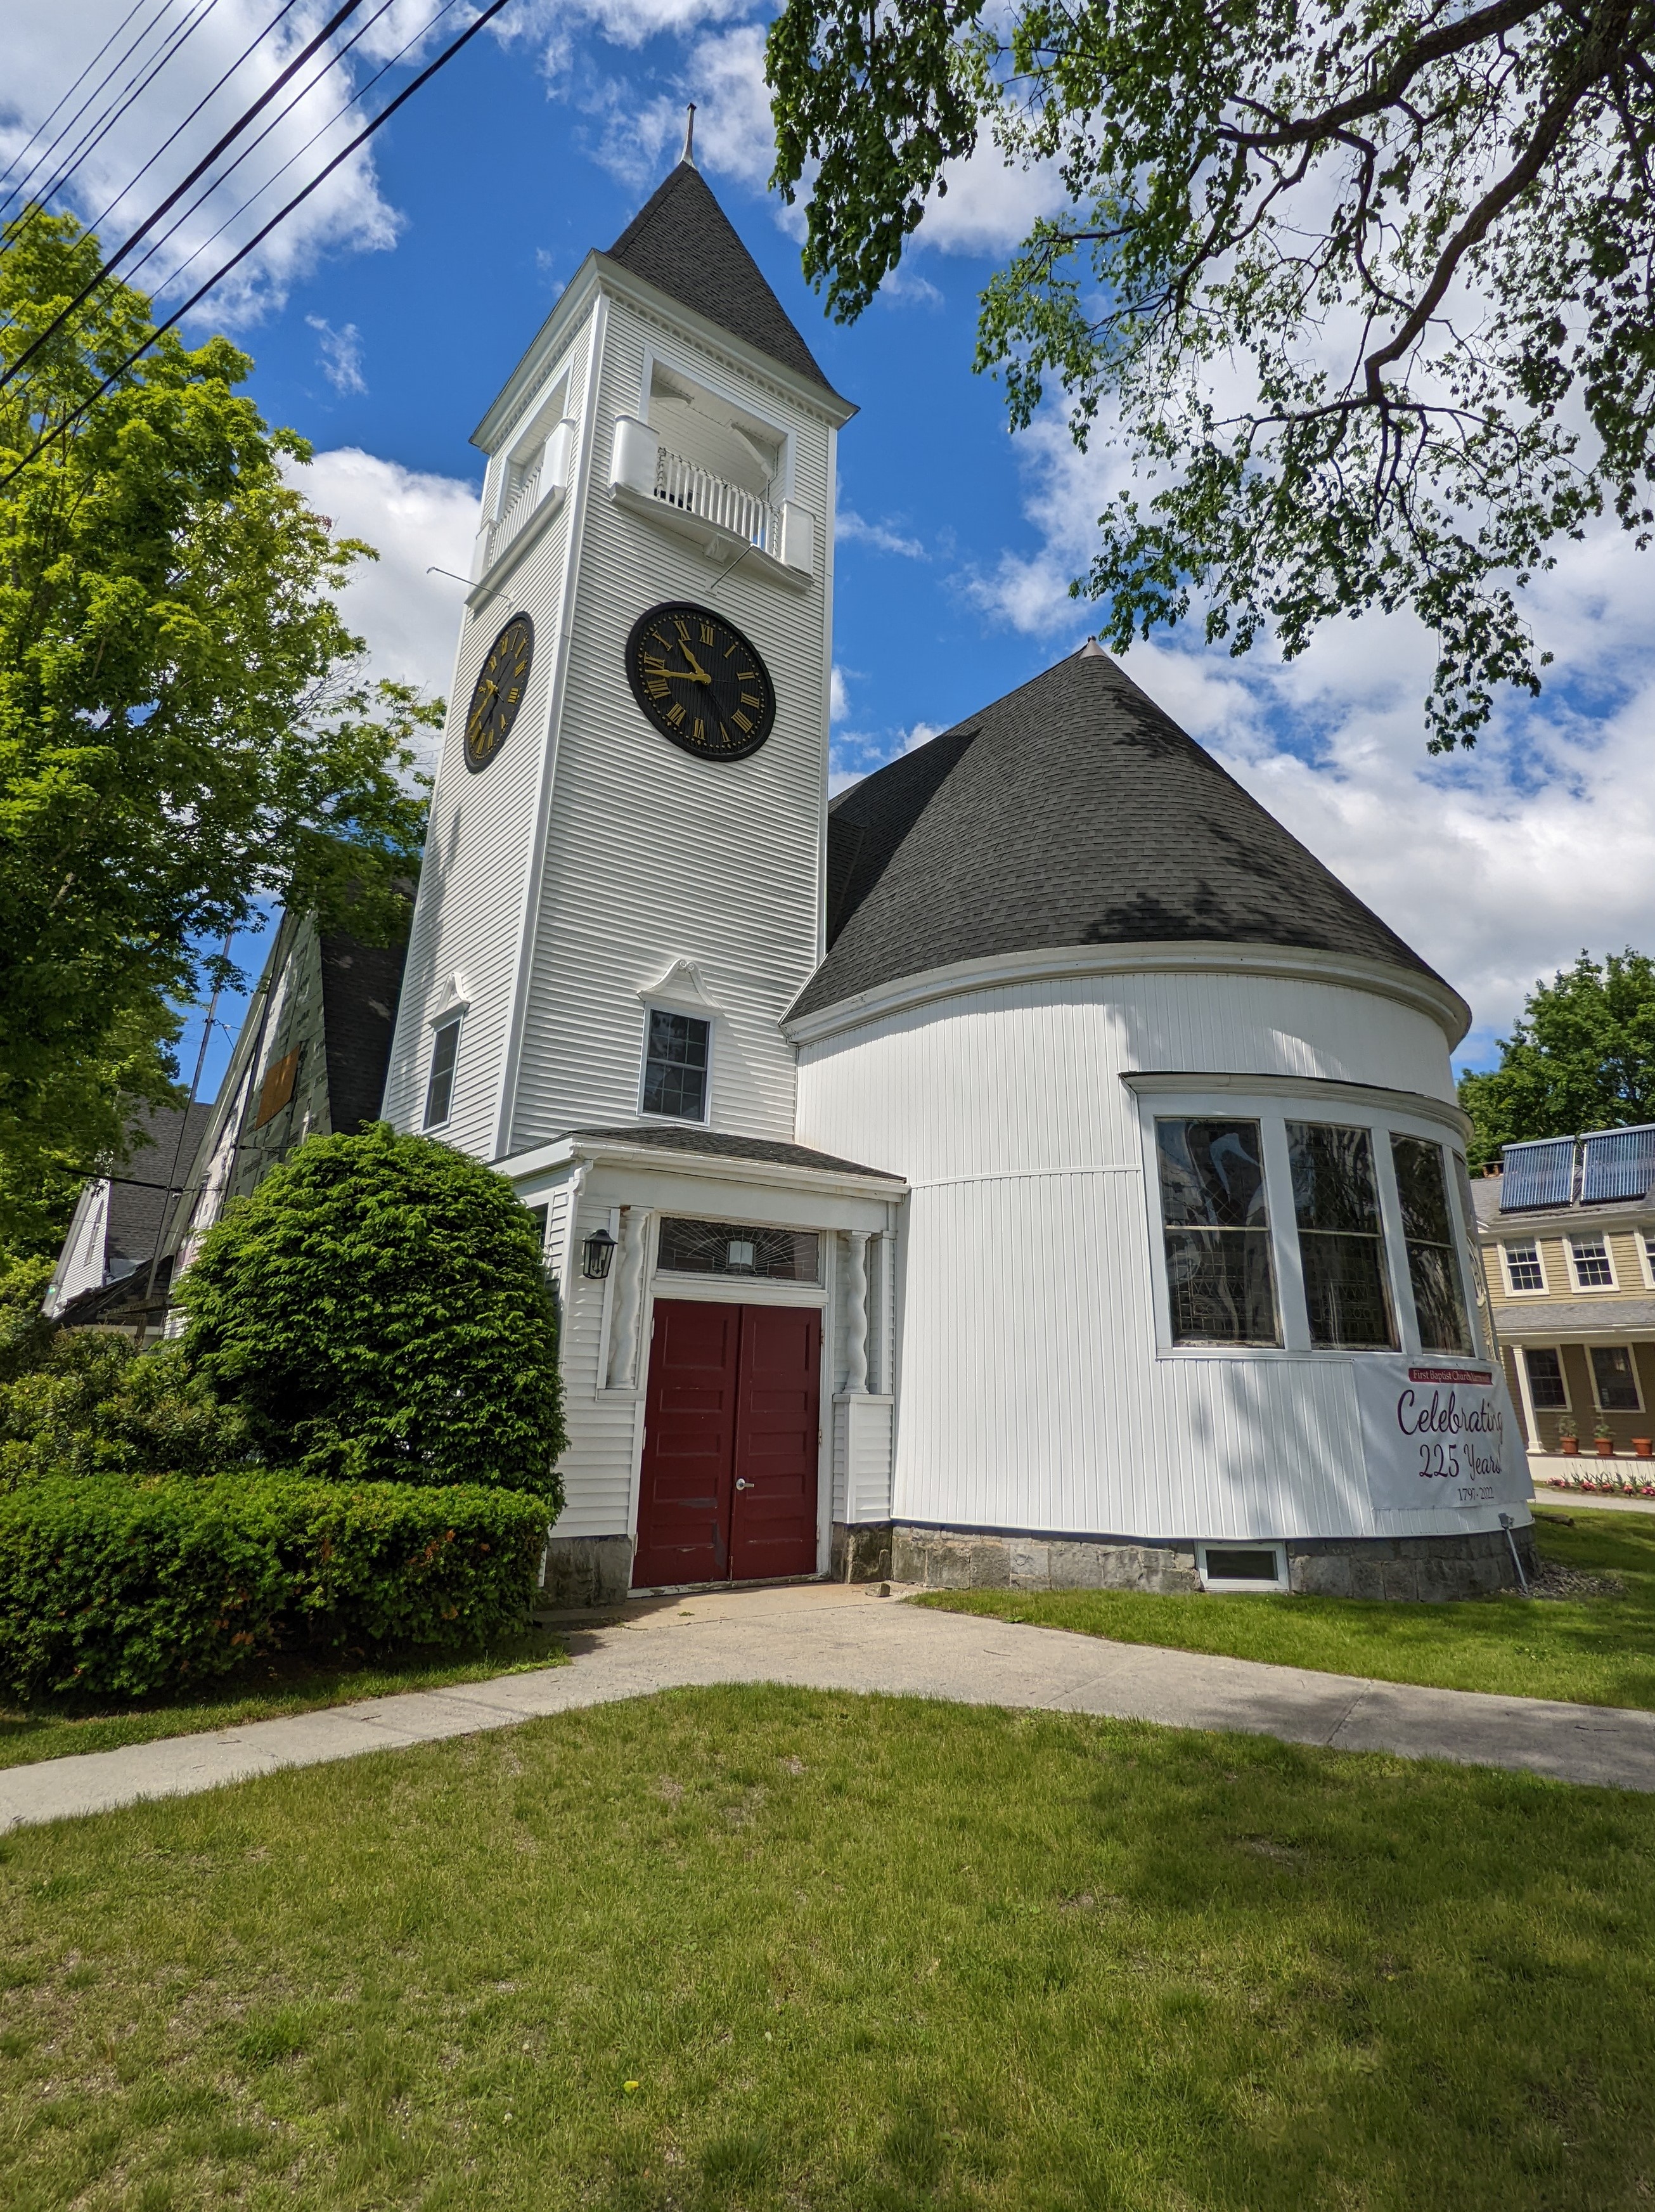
<point x="377" y="1309"/>
<point x="91" y="1404"/>
<point x="1363" y="287"/>
<point x="183" y="724"/>
<point x="1581" y="1057"/>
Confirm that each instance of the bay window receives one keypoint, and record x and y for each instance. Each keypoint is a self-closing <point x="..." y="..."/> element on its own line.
<point x="1336" y="1200"/>
<point x="1432" y="1256"/>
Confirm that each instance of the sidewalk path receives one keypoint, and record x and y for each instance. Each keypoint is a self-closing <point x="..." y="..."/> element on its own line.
<point x="824" y="1636"/>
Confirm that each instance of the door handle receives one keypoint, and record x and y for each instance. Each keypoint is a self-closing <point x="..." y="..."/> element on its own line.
<point x="741" y="1484"/>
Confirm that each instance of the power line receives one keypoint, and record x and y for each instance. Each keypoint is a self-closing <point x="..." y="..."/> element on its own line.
<point x="286" y="8"/>
<point x="340" y="15"/>
<point x="281" y="116"/>
<point x="85" y="73"/>
<point x="384" y="117"/>
<point x="139" y="82"/>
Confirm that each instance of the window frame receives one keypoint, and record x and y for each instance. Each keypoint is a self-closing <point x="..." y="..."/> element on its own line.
<point x="1529" y="1291"/>
<point x="1526" y="1380"/>
<point x="1645" y="1240"/>
<point x="1598" y="1405"/>
<point x="683" y="1013"/>
<point x="1273" y="1102"/>
<point x="1592" y="1290"/>
<point x="1223" y="1585"/>
<point x="446" y="1025"/>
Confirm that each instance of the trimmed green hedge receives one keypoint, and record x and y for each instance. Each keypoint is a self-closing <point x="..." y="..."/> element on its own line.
<point x="115" y="1588"/>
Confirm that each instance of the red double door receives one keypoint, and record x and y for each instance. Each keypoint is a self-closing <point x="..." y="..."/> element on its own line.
<point x="730" y="1444"/>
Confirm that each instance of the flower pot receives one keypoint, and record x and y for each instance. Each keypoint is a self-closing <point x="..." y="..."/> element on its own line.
<point x="1605" y="1447"/>
<point x="1569" y="1446"/>
<point x="1644" y="1446"/>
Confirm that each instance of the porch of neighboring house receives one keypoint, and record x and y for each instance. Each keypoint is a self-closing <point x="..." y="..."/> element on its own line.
<point x="1580" y="1382"/>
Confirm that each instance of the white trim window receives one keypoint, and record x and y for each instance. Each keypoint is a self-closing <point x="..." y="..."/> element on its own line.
<point x="1242" y="1567"/>
<point x="1526" y="1271"/>
<point x="1548" y="1380"/>
<point x="1221" y="1274"/>
<point x="1646" y="1257"/>
<point x="1614" y="1379"/>
<point x="1592" y="1262"/>
<point x="1427" y="1228"/>
<point x="677" y="1065"/>
<point x="1336" y="1201"/>
<point x="439" y="1084"/>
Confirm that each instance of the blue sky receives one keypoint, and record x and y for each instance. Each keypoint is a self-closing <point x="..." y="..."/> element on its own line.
<point x="384" y="321"/>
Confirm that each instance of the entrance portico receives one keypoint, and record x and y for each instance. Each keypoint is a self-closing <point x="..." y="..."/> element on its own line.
<point x="741" y="1334"/>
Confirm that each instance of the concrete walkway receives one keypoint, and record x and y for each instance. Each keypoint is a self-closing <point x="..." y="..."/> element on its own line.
<point x="823" y="1636"/>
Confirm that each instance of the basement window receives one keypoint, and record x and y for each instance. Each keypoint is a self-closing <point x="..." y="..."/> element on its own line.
<point x="1242" y="1567"/>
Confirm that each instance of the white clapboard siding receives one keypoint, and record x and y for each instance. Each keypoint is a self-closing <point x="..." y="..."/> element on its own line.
<point x="468" y="915"/>
<point x="1031" y="1392"/>
<point x="655" y="856"/>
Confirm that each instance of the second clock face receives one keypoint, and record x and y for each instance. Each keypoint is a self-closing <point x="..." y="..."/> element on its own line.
<point x="699" y="681"/>
<point x="499" y="694"/>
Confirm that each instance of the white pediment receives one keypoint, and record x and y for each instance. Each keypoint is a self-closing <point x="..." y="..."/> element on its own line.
<point x="683" y="986"/>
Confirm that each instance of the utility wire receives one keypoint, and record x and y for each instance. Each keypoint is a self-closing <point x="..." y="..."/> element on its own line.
<point x="86" y="72"/>
<point x="340" y="15"/>
<point x="287" y="8"/>
<point x="139" y="82"/>
<point x="61" y="137"/>
<point x="384" y="117"/>
<point x="279" y="118"/>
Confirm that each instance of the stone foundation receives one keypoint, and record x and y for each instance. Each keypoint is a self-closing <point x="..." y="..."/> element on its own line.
<point x="1452" y="1565"/>
<point x="862" y="1552"/>
<point x="585" y="1571"/>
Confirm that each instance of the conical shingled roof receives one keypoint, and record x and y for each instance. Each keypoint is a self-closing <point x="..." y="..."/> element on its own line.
<point x="682" y="241"/>
<point x="1073" y="811"/>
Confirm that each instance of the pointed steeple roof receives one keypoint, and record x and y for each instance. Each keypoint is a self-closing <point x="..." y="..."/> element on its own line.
<point x="682" y="241"/>
<point x="1073" y="811"/>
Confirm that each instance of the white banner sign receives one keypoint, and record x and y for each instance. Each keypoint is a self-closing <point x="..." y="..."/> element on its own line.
<point x="1437" y="1436"/>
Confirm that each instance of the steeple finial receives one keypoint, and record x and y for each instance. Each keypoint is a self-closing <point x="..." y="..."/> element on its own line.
<point x="1090" y="651"/>
<point x="689" y="154"/>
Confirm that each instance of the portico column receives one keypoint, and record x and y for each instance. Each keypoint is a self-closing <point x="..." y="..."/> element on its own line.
<point x="855" y="1314"/>
<point x="628" y="1295"/>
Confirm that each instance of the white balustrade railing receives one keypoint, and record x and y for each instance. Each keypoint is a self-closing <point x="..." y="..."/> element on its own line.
<point x="524" y="500"/>
<point x="710" y="498"/>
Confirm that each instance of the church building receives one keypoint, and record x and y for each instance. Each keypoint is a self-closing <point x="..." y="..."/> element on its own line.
<point x="1033" y="1168"/>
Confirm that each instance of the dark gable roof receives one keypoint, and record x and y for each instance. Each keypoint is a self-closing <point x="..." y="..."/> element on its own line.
<point x="1073" y="811"/>
<point x="682" y="241"/>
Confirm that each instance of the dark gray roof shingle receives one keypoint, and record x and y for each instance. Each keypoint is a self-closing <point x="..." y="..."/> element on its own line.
<point x="682" y="241"/>
<point x="1072" y="812"/>
<point x="713" y="1141"/>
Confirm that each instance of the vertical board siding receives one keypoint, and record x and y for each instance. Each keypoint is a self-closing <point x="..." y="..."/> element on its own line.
<point x="602" y="1424"/>
<point x="653" y="855"/>
<point x="1032" y="1393"/>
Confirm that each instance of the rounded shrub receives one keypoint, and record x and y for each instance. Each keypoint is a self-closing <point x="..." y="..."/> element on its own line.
<point x="378" y="1311"/>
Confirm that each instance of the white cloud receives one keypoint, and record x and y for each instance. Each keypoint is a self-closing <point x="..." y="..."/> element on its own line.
<point x="838" y="695"/>
<point x="850" y="529"/>
<point x="342" y="355"/>
<point x="723" y="76"/>
<point x="1498" y="866"/>
<point x="410" y="620"/>
<point x="45" y="39"/>
<point x="989" y="207"/>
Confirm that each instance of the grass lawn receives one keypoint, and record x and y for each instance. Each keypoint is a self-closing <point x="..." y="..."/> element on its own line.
<point x="259" y="1693"/>
<point x="763" y="1948"/>
<point x="1598" y="1650"/>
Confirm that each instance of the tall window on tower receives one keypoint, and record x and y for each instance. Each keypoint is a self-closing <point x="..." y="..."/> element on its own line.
<point x="1219" y="1269"/>
<point x="439" y="1090"/>
<point x="676" y="1065"/>
<point x="1427" y="1228"/>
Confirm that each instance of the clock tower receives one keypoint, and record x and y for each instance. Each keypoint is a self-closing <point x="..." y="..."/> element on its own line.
<point x="623" y="883"/>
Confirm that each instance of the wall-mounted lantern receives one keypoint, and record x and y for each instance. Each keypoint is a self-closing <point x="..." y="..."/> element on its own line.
<point x="595" y="1253"/>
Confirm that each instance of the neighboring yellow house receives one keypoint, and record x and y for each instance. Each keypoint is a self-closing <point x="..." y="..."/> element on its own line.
<point x="1567" y="1231"/>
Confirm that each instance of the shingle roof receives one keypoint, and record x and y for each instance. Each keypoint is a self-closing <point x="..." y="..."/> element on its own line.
<point x="768" y="1149"/>
<point x="1073" y="811"/>
<point x="682" y="241"/>
<point x="1548" y="1319"/>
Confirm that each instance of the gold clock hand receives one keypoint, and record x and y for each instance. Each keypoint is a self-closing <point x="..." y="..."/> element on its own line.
<point x="700" y="674"/>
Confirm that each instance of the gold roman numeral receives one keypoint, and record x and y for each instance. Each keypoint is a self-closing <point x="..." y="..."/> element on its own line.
<point x="741" y="722"/>
<point x="675" y="715"/>
<point x="699" y="732"/>
<point x="748" y="700"/>
<point x="656" y="686"/>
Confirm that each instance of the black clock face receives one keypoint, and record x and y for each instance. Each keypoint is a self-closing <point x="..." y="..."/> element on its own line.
<point x="700" y="681"/>
<point x="500" y="686"/>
